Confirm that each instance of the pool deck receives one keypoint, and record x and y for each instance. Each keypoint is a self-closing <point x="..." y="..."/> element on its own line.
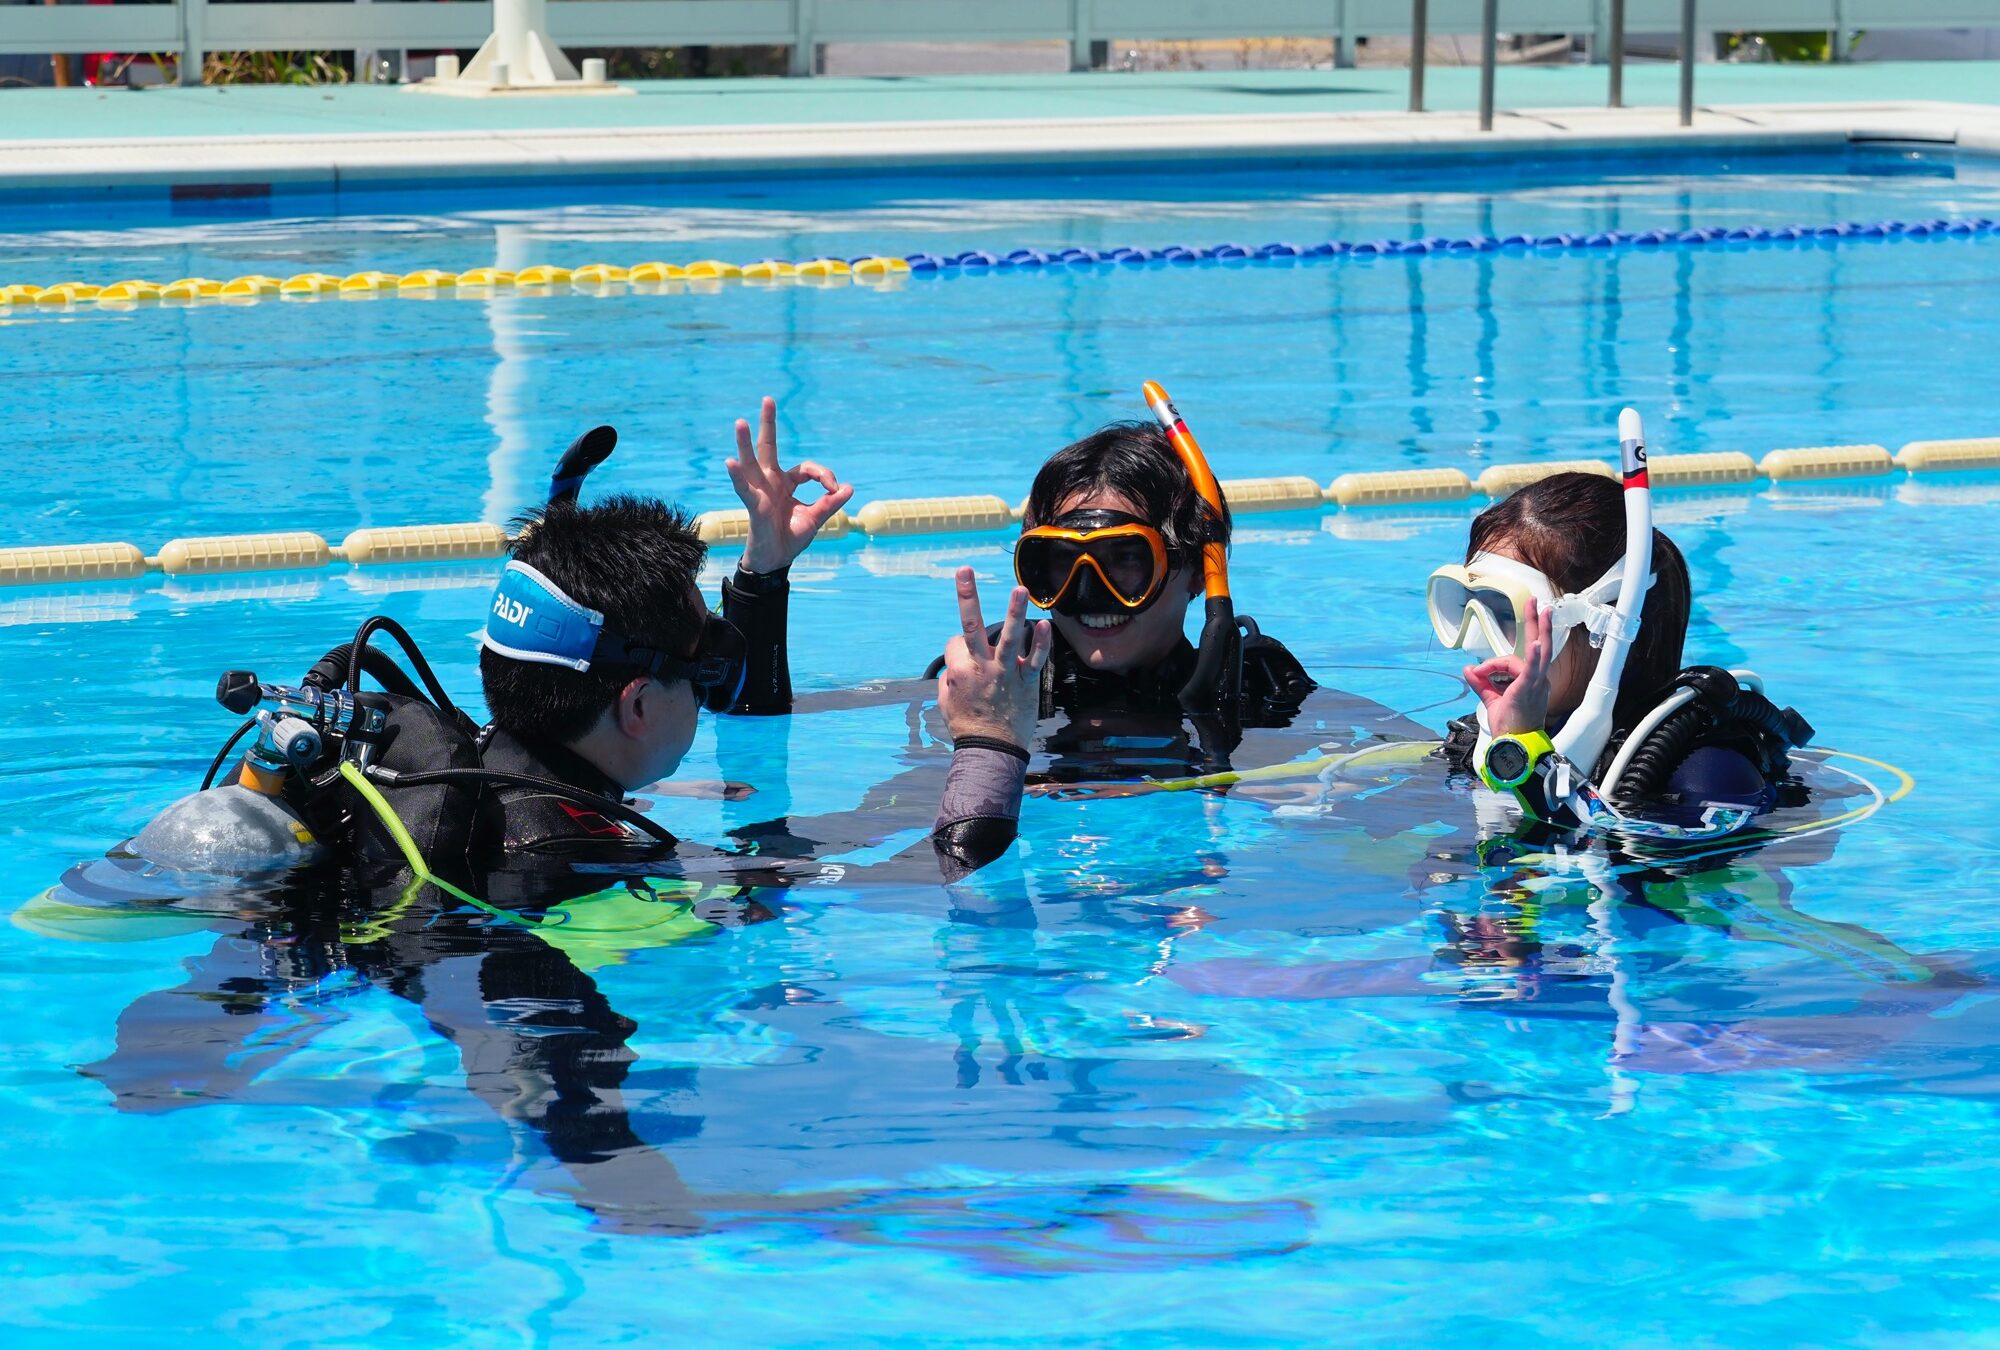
<point x="80" y="144"/>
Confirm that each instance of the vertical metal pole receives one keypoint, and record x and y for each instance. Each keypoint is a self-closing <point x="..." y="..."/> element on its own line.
<point x="1079" y="34"/>
<point x="802" y="37"/>
<point x="1617" y="53"/>
<point x="194" y="41"/>
<point x="1687" y="63"/>
<point x="364" y="60"/>
<point x="1843" y="32"/>
<point x="1489" y="57"/>
<point x="1343" y="45"/>
<point x="1420" y="25"/>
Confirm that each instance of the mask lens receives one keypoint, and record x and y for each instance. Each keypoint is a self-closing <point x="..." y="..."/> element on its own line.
<point x="1447" y="598"/>
<point x="719" y="664"/>
<point x="1044" y="565"/>
<point x="1128" y="566"/>
<point x="1499" y="613"/>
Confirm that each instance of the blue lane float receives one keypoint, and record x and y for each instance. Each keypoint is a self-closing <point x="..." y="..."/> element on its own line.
<point x="1027" y="259"/>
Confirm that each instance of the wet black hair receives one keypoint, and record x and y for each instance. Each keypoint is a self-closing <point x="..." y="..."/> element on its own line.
<point x="1570" y="527"/>
<point x="633" y="558"/>
<point x="1135" y="460"/>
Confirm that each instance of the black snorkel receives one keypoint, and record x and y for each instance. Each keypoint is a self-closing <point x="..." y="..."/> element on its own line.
<point x="585" y="453"/>
<point x="1212" y="695"/>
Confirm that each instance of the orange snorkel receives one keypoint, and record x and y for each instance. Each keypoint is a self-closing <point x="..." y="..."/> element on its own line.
<point x="1214" y="557"/>
<point x="1219" y="656"/>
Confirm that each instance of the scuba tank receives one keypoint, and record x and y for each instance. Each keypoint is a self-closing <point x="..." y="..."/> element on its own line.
<point x="293" y="799"/>
<point x="252" y="824"/>
<point x="286" y="804"/>
<point x="228" y="830"/>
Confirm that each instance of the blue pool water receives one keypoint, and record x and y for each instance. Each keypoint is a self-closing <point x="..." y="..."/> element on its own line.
<point x="1184" y="1068"/>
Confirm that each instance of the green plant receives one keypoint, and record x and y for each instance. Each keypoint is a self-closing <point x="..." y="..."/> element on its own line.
<point x="1814" y="46"/>
<point x="274" y="68"/>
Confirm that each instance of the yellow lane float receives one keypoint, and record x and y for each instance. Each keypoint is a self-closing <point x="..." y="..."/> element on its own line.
<point x="484" y="278"/>
<point x="422" y="543"/>
<point x="1503" y="480"/>
<point x="1931" y="456"/>
<point x="309" y="286"/>
<point x="1397" y="487"/>
<point x="189" y="289"/>
<point x="243" y="553"/>
<point x="1827" y="461"/>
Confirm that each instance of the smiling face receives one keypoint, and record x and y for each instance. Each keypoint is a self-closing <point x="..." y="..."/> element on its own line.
<point x="1117" y="641"/>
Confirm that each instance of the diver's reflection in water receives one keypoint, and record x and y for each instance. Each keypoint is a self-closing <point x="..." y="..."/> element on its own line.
<point x="1536" y="925"/>
<point x="542" y="1046"/>
<point x="538" y="1041"/>
<point x="1012" y="955"/>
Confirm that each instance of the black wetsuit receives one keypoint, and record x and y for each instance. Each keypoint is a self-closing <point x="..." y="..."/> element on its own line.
<point x="1117" y="725"/>
<point x="529" y="841"/>
<point x="537" y="1039"/>
<point x="535" y="834"/>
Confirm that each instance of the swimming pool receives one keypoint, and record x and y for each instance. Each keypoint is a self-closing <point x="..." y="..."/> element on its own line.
<point x="1185" y="1068"/>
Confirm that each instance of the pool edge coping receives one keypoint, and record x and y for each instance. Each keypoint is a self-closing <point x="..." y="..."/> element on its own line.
<point x="92" y="168"/>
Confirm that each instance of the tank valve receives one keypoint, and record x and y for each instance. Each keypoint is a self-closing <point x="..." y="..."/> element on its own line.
<point x="292" y="738"/>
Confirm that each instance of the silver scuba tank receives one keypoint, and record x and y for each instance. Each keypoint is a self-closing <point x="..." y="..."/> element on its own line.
<point x="227" y="830"/>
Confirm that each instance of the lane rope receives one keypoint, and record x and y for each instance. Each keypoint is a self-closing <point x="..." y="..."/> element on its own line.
<point x="886" y="272"/>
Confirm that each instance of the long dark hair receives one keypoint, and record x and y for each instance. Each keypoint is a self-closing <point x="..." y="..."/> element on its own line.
<point x="1571" y="527"/>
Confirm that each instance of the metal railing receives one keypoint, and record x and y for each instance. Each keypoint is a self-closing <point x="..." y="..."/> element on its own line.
<point x="188" y="29"/>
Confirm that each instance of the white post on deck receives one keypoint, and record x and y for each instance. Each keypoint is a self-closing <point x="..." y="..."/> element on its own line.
<point x="520" y="50"/>
<point x="1080" y="24"/>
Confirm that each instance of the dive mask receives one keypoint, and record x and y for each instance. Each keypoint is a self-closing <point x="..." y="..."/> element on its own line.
<point x="533" y="620"/>
<point x="1479" y="606"/>
<point x="1124" y="556"/>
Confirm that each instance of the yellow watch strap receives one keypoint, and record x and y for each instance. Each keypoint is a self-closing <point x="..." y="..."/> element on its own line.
<point x="1537" y="745"/>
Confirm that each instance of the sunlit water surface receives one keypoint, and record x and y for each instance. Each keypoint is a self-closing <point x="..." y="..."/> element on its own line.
<point x="1183" y="1067"/>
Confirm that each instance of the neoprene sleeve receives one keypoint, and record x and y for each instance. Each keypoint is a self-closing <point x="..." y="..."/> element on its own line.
<point x="979" y="811"/>
<point x="758" y="604"/>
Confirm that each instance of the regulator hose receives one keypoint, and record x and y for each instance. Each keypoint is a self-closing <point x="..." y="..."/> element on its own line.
<point x="330" y="671"/>
<point x="1665" y="750"/>
<point x="359" y="649"/>
<point x="1721" y="700"/>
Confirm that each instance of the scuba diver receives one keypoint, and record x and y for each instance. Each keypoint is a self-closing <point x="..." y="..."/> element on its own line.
<point x="1580" y="608"/>
<point x="376" y="838"/>
<point x="1121" y="532"/>
<point x="597" y="654"/>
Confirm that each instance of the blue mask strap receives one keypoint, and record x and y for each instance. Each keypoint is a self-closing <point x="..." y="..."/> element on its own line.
<point x="531" y="619"/>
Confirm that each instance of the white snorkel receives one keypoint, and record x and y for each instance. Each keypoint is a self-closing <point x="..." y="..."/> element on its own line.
<point x="1589" y="729"/>
<point x="1584" y="736"/>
